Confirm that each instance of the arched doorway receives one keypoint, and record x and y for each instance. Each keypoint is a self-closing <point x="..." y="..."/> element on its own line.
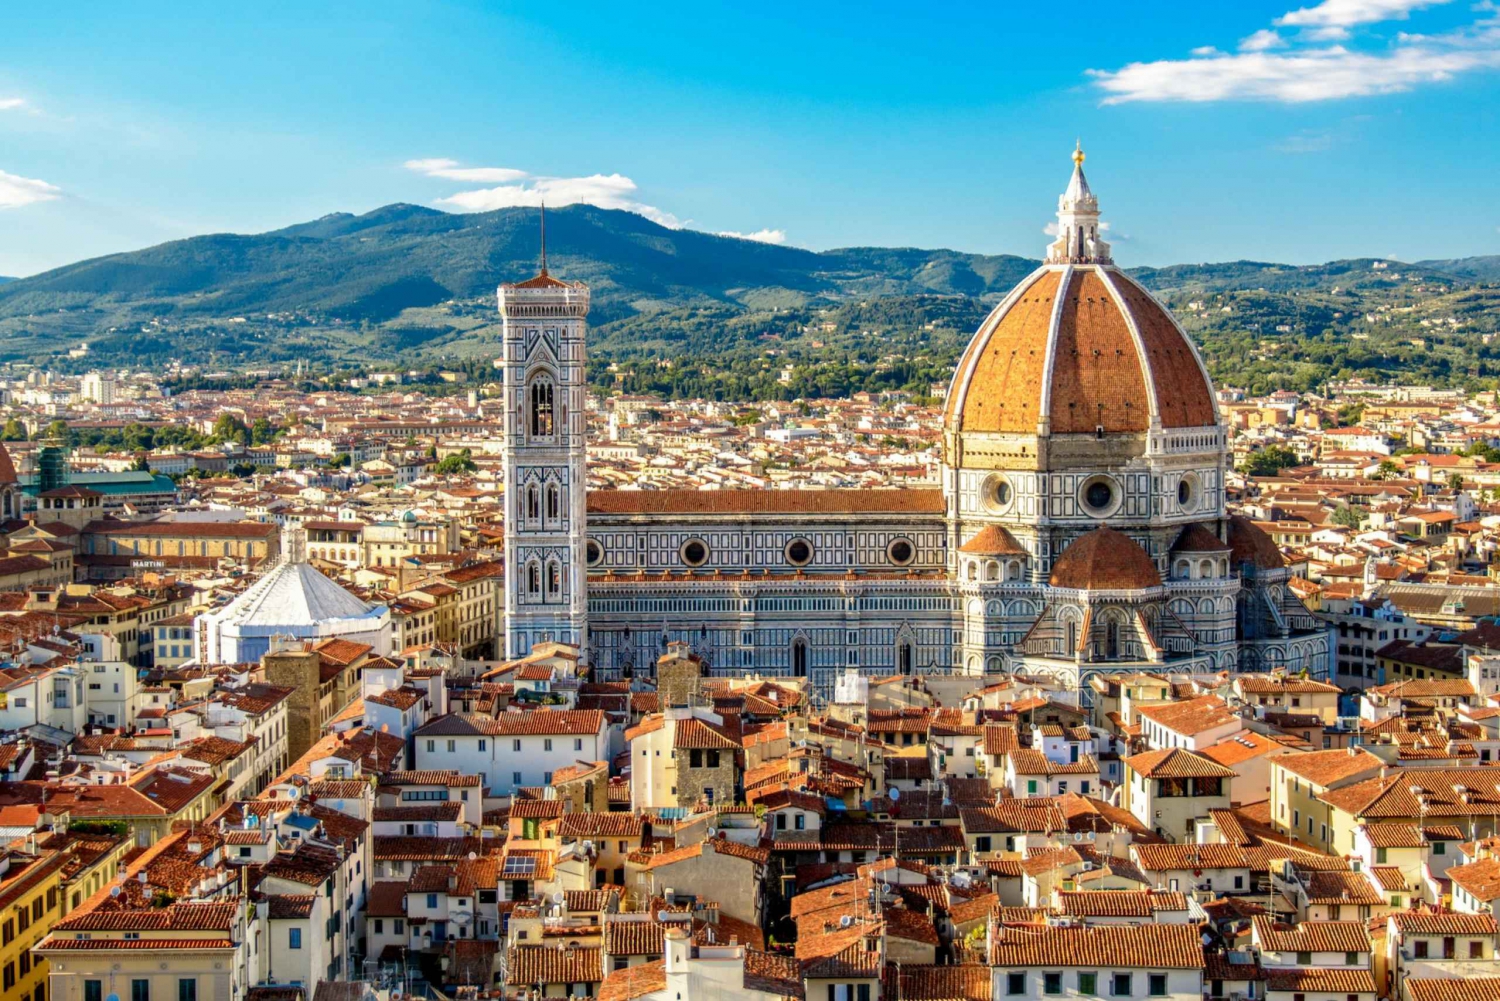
<point x="905" y="658"/>
<point x="799" y="657"/>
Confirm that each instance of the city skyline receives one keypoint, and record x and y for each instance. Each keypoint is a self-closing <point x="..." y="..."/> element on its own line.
<point x="1275" y="132"/>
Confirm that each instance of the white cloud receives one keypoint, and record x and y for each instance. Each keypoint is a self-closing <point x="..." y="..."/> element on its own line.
<point x="1312" y="69"/>
<point x="517" y="187"/>
<point x="1318" y="74"/>
<point x="777" y="236"/>
<point x="449" y="169"/>
<point x="1205" y="50"/>
<point x="11" y="103"/>
<point x="1344" y="13"/>
<point x="1262" y="40"/>
<point x="17" y="191"/>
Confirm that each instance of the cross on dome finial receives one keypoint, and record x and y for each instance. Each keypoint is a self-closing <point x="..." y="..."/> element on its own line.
<point x="1078" y="239"/>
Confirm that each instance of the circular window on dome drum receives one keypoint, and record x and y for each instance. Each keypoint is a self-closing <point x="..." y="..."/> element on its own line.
<point x="901" y="552"/>
<point x="997" y="493"/>
<point x="799" y="552"/>
<point x="1187" y="492"/>
<point x="593" y="553"/>
<point x="1100" y="496"/>
<point x="694" y="552"/>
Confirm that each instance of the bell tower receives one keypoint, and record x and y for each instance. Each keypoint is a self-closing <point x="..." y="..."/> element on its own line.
<point x="545" y="458"/>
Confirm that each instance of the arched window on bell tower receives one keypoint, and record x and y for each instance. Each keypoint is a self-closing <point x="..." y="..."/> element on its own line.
<point x="554" y="503"/>
<point x="533" y="503"/>
<point x="541" y="403"/>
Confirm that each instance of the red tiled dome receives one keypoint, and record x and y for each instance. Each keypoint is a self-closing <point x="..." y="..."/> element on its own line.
<point x="993" y="540"/>
<point x="1105" y="560"/>
<point x="1198" y="539"/>
<point x="7" y="468"/>
<point x="1109" y="354"/>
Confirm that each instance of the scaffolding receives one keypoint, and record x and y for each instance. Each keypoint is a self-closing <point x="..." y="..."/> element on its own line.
<point x="52" y="467"/>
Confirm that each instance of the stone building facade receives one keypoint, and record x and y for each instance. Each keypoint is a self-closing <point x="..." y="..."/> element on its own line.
<point x="1080" y="527"/>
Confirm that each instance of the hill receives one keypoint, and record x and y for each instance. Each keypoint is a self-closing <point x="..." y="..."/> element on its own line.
<point x="681" y="311"/>
<point x="1483" y="269"/>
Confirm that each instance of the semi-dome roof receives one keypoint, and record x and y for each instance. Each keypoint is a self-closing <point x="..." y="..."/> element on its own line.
<point x="1104" y="560"/>
<point x="1197" y="538"/>
<point x="993" y="540"/>
<point x="1079" y="345"/>
<point x="7" y="468"/>
<point x="1250" y="544"/>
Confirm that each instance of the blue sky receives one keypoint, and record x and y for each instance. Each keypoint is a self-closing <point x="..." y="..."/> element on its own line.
<point x="1215" y="131"/>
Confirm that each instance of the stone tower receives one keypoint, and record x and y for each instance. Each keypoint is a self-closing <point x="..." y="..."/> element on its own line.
<point x="545" y="457"/>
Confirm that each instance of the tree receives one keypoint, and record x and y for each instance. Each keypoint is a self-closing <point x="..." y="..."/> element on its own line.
<point x="141" y="464"/>
<point x="1350" y="413"/>
<point x="1270" y="461"/>
<point x="1387" y="469"/>
<point x="1483" y="450"/>
<point x="1455" y="482"/>
<point x="14" y="431"/>
<point x="137" y="437"/>
<point x="1349" y="516"/>
<point x="57" y="429"/>
<point x="459" y="462"/>
<point x="262" y="431"/>
<point x="230" y="428"/>
<point x="340" y="460"/>
<point x="244" y="470"/>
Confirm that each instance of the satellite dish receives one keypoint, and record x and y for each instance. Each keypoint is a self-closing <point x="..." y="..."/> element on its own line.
<point x="559" y="897"/>
<point x="894" y="793"/>
<point x="114" y="891"/>
<point x="473" y="856"/>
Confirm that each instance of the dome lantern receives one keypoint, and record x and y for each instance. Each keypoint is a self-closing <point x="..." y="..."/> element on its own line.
<point x="1078" y="224"/>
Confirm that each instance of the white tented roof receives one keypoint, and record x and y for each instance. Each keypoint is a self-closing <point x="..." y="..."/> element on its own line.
<point x="294" y="594"/>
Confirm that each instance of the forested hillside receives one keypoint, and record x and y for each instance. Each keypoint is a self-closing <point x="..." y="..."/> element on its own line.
<point x="686" y="313"/>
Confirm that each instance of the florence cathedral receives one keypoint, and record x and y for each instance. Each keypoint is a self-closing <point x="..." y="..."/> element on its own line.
<point x="1080" y="527"/>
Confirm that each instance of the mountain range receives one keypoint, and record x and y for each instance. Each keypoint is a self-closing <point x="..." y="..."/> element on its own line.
<point x="409" y="278"/>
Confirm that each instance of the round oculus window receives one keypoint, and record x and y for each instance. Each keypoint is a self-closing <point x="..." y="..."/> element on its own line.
<point x="799" y="552"/>
<point x="997" y="493"/>
<point x="1099" y="495"/>
<point x="694" y="552"/>
<point x="593" y="553"/>
<point x="1187" y="492"/>
<point x="900" y="552"/>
